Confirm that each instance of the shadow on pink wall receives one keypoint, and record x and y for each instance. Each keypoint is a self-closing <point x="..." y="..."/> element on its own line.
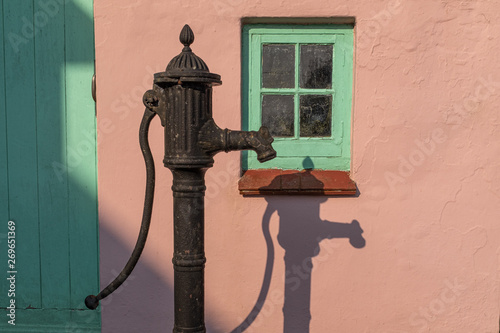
<point x="300" y="232"/>
<point x="144" y="303"/>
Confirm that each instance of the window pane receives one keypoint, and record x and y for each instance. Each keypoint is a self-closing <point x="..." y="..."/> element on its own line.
<point x="278" y="114"/>
<point x="278" y="66"/>
<point x="315" y="115"/>
<point x="316" y="66"/>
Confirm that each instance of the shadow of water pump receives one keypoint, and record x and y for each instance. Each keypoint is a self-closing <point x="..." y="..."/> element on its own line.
<point x="300" y="232"/>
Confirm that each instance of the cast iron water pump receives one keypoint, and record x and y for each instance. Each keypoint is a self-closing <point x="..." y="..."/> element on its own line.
<point x="182" y="98"/>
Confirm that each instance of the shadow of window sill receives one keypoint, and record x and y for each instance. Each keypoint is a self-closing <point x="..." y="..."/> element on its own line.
<point x="294" y="182"/>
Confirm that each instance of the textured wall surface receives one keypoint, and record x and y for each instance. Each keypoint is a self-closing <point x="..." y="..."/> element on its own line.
<point x="425" y="153"/>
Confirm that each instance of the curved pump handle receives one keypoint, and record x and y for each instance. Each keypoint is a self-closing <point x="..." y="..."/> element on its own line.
<point x="92" y="301"/>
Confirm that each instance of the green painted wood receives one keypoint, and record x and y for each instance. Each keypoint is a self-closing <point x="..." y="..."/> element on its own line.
<point x="81" y="151"/>
<point x="253" y="50"/>
<point x="245" y="88"/>
<point x="51" y="132"/>
<point x="344" y="68"/>
<point x="4" y="183"/>
<point x="22" y="148"/>
<point x="54" y="321"/>
<point x="333" y="153"/>
<point x="48" y="163"/>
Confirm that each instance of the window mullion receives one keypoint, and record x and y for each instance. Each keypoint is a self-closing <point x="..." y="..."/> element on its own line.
<point x="256" y="79"/>
<point x="297" y="89"/>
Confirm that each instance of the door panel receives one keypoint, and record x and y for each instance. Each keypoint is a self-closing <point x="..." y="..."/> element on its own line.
<point x="48" y="176"/>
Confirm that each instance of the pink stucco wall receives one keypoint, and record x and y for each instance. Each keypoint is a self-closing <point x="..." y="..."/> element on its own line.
<point x="425" y="153"/>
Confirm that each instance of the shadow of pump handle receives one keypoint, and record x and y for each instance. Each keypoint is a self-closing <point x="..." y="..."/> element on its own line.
<point x="181" y="97"/>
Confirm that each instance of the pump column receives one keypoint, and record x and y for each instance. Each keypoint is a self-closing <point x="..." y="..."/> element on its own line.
<point x="189" y="250"/>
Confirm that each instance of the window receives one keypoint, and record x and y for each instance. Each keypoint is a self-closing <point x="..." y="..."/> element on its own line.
<point x="297" y="81"/>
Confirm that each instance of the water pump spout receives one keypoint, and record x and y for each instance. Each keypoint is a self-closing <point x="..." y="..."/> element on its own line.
<point x="213" y="139"/>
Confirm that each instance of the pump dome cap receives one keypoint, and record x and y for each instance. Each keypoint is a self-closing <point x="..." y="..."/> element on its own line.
<point x="187" y="66"/>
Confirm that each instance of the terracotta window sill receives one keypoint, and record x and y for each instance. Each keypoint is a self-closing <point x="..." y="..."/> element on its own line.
<point x="305" y="182"/>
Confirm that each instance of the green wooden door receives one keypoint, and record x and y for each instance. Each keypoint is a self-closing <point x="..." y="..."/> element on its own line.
<point x="48" y="178"/>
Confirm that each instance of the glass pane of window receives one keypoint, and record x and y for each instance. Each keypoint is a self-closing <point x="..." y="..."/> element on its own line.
<point x="316" y="63"/>
<point x="278" y="114"/>
<point x="278" y="66"/>
<point x="315" y="115"/>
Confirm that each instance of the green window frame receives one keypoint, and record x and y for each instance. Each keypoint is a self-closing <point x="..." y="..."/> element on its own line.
<point x="296" y="152"/>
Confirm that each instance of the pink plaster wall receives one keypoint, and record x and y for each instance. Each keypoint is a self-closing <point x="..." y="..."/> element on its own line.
<point x="425" y="153"/>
